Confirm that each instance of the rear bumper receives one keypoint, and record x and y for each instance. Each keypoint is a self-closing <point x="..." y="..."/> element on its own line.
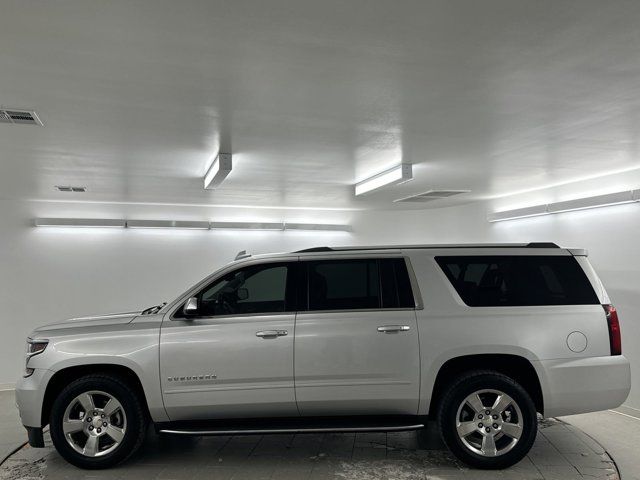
<point x="583" y="385"/>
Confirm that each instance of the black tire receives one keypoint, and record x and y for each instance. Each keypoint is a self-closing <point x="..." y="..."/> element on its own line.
<point x="136" y="420"/>
<point x="455" y="395"/>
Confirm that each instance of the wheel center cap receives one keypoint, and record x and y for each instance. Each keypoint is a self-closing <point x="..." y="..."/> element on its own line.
<point x="97" y="422"/>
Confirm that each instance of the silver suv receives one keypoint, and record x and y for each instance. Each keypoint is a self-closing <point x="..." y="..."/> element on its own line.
<point x="479" y="338"/>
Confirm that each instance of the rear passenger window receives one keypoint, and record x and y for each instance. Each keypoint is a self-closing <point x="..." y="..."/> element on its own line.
<point x="491" y="281"/>
<point x="344" y="284"/>
<point x="359" y="284"/>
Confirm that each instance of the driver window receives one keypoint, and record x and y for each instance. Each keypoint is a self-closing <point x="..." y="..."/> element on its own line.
<point x="257" y="289"/>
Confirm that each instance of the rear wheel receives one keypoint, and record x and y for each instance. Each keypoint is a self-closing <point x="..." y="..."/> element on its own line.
<point x="487" y="420"/>
<point x="97" y="421"/>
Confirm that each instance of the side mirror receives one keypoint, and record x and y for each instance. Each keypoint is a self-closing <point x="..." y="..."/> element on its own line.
<point x="191" y="307"/>
<point x="242" y="293"/>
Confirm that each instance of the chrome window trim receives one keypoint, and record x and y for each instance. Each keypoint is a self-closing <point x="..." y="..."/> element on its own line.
<point x="240" y="315"/>
<point x="360" y="310"/>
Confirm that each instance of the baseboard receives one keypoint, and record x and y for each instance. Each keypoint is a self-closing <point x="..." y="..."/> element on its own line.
<point x="7" y="386"/>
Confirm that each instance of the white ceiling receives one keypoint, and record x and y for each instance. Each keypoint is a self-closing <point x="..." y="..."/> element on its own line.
<point x="312" y="96"/>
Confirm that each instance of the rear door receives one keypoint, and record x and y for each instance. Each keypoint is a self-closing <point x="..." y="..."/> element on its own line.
<point x="356" y="342"/>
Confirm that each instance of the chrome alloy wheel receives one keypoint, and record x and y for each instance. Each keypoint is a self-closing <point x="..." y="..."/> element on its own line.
<point x="94" y="423"/>
<point x="489" y="423"/>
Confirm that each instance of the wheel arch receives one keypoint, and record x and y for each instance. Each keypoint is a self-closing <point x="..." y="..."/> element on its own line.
<point x="66" y="375"/>
<point x="514" y="366"/>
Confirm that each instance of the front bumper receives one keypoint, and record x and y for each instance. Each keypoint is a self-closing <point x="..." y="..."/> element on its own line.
<point x="583" y="385"/>
<point x="30" y="397"/>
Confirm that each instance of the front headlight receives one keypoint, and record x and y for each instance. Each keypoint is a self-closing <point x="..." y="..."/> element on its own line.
<point x="34" y="347"/>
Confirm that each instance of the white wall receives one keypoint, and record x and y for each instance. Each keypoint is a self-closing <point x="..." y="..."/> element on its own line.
<point x="52" y="274"/>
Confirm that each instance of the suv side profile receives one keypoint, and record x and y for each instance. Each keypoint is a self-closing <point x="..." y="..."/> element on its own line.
<point x="481" y="338"/>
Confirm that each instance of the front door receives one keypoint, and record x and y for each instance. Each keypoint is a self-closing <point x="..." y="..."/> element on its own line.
<point x="356" y="346"/>
<point x="234" y="358"/>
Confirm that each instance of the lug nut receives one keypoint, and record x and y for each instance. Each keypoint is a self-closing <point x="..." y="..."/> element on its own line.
<point x="90" y="427"/>
<point x="487" y="430"/>
<point x="102" y="415"/>
<point x="95" y="414"/>
<point x="104" y="424"/>
<point x="488" y="412"/>
<point x="99" y="430"/>
<point x="495" y="425"/>
<point x="89" y="420"/>
<point x="480" y="417"/>
<point x="480" y="425"/>
<point x="495" y="417"/>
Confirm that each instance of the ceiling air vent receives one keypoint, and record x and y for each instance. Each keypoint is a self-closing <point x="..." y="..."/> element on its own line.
<point x="19" y="117"/>
<point x="431" y="195"/>
<point x="68" y="188"/>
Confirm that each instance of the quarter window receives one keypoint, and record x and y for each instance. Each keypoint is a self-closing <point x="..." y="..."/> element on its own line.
<point x="493" y="281"/>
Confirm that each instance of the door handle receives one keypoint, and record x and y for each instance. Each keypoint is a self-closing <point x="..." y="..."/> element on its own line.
<point x="271" y="333"/>
<point x="393" y="328"/>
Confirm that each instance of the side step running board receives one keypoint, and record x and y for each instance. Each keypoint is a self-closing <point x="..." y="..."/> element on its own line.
<point x="269" y="431"/>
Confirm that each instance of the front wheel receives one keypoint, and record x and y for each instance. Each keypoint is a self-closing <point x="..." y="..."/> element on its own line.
<point x="97" y="421"/>
<point x="487" y="420"/>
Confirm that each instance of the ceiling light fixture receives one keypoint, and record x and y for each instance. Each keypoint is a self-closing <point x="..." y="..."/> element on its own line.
<point x="609" y="199"/>
<point x="80" y="222"/>
<point x="318" y="227"/>
<point x="248" y="225"/>
<point x="394" y="176"/>
<point x="186" y="224"/>
<point x="218" y="171"/>
<point x="168" y="224"/>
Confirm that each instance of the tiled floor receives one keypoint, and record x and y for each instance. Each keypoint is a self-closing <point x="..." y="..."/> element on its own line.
<point x="561" y="452"/>
<point x="619" y="431"/>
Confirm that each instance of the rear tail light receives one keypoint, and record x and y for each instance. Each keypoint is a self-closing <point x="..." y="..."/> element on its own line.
<point x="615" y="340"/>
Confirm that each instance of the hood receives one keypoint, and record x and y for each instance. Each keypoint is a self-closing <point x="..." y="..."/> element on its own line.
<point x="97" y="321"/>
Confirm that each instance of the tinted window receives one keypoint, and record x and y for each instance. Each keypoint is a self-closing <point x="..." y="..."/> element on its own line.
<point x="358" y="284"/>
<point x="343" y="284"/>
<point x="257" y="289"/>
<point x="395" y="284"/>
<point x="484" y="281"/>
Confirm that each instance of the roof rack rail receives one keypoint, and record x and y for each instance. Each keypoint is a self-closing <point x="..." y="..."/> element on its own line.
<point x="406" y="247"/>
<point x="315" y="249"/>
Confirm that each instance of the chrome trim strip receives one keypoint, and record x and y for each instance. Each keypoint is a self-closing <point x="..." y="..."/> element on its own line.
<point x="351" y="310"/>
<point x="395" y="428"/>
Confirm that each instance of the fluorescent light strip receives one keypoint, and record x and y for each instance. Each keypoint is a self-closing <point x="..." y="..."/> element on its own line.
<point x="199" y="205"/>
<point x="399" y="174"/>
<point x="618" y="198"/>
<point x="218" y="171"/>
<point x="168" y="224"/>
<point x="79" y="222"/>
<point x="247" y="226"/>
<point x="189" y="225"/>
<point x="318" y="227"/>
